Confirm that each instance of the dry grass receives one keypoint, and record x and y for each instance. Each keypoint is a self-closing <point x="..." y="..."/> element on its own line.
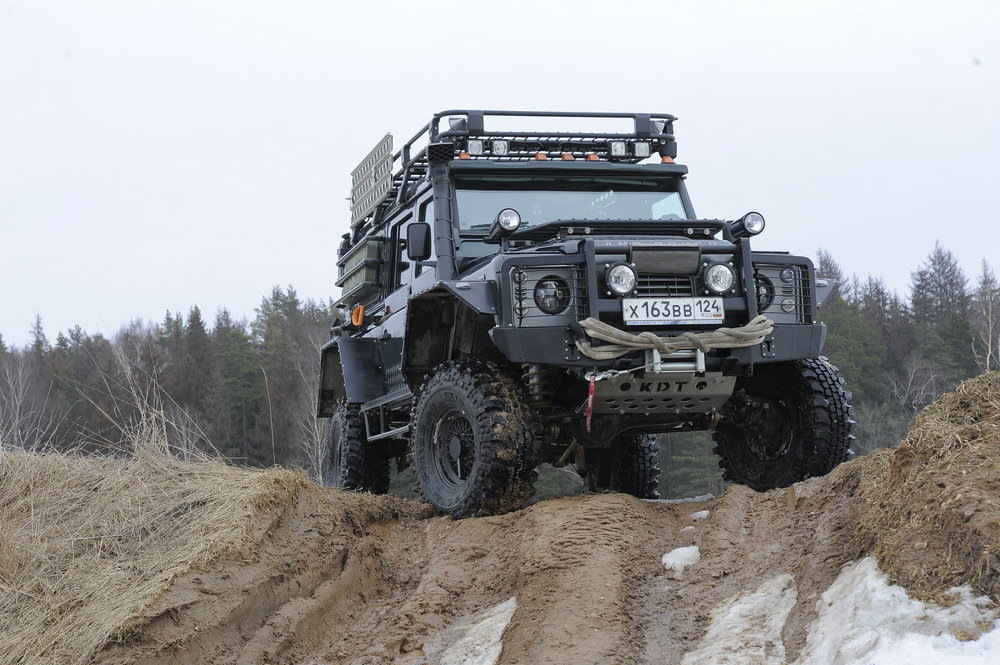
<point x="931" y="510"/>
<point x="87" y="543"/>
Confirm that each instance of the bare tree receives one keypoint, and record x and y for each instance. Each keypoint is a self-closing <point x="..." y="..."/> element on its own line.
<point x="311" y="432"/>
<point x="26" y="419"/>
<point x="916" y="386"/>
<point x="986" y="320"/>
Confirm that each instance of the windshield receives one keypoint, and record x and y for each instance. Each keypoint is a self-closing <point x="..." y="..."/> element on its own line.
<point x="544" y="198"/>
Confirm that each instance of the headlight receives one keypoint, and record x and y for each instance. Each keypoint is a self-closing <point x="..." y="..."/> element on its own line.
<point x="765" y="292"/>
<point x="552" y="294"/>
<point x="509" y="219"/>
<point x="621" y="279"/>
<point x="719" y="278"/>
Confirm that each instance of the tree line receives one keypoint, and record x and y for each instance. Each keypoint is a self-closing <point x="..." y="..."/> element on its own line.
<point x="246" y="389"/>
<point x="242" y="389"/>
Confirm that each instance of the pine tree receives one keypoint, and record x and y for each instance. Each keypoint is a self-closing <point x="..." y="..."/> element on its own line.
<point x="236" y="389"/>
<point x="939" y="290"/>
<point x="852" y="343"/>
<point x="39" y="343"/>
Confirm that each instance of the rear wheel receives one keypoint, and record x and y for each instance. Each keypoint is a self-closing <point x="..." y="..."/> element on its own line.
<point x="786" y="423"/>
<point x="631" y="465"/>
<point x="471" y="443"/>
<point x="350" y="461"/>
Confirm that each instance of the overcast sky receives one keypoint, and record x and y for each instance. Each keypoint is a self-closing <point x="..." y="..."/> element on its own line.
<point x="160" y="154"/>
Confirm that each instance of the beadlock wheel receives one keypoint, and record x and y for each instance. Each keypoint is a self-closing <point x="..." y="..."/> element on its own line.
<point x="788" y="422"/>
<point x="472" y="439"/>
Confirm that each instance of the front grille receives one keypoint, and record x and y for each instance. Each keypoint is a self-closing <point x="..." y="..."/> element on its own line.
<point x="671" y="286"/>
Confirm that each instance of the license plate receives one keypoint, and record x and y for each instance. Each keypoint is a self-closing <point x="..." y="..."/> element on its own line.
<point x="672" y="311"/>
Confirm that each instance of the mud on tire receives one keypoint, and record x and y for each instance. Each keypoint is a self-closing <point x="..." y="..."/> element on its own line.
<point x="472" y="440"/>
<point x="349" y="461"/>
<point x="788" y="422"/>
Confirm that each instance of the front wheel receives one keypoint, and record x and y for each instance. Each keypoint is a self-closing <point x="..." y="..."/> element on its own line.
<point x="786" y="423"/>
<point x="471" y="443"/>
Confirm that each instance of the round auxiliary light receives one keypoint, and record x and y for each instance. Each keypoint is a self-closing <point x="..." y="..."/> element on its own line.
<point x="753" y="222"/>
<point x="787" y="274"/>
<point x="719" y="278"/>
<point x="552" y="295"/>
<point x="621" y="279"/>
<point x="788" y="305"/>
<point x="509" y="219"/>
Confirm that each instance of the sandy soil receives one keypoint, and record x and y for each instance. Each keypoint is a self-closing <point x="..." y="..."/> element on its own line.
<point x="585" y="571"/>
<point x="346" y="578"/>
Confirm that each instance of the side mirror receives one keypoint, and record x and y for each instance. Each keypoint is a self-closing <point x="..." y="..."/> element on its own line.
<point x="418" y="241"/>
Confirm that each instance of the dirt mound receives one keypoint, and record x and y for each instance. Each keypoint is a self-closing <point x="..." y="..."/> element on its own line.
<point x="931" y="509"/>
<point x="101" y="551"/>
<point x="157" y="561"/>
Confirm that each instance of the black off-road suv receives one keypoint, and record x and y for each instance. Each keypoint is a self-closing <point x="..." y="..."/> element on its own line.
<point x="518" y="297"/>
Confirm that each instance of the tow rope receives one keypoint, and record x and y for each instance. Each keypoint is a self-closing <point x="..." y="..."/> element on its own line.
<point x="621" y="342"/>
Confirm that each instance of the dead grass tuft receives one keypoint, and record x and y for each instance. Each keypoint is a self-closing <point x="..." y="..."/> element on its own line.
<point x="87" y="543"/>
<point x="931" y="506"/>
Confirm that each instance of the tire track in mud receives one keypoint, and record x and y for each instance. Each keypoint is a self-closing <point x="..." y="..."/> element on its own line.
<point x="574" y="565"/>
<point x="585" y="572"/>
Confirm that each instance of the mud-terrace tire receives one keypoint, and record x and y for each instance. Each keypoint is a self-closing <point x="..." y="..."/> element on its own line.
<point x="631" y="465"/>
<point x="350" y="462"/>
<point x="635" y="468"/>
<point x="472" y="440"/>
<point x="788" y="422"/>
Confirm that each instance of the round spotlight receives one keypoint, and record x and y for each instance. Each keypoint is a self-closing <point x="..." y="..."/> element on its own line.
<point x="753" y="222"/>
<point x="552" y="295"/>
<point x="788" y="305"/>
<point x="787" y="274"/>
<point x="719" y="278"/>
<point x="509" y="219"/>
<point x="621" y="279"/>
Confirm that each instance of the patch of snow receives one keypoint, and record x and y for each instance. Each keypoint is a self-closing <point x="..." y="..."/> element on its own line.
<point x="677" y="560"/>
<point x="698" y="516"/>
<point x="747" y="628"/>
<point x="482" y="642"/>
<point x="687" y="528"/>
<point x="862" y="618"/>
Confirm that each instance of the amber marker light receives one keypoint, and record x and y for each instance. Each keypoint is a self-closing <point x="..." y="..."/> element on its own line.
<point x="667" y="159"/>
<point x="567" y="157"/>
<point x="358" y="315"/>
<point x="592" y="157"/>
<point x="464" y="155"/>
<point x="541" y="156"/>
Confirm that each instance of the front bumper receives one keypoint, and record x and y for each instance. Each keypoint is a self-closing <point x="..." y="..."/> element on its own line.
<point x="556" y="346"/>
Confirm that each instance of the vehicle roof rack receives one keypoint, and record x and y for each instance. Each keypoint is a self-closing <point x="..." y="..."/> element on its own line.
<point x="376" y="185"/>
